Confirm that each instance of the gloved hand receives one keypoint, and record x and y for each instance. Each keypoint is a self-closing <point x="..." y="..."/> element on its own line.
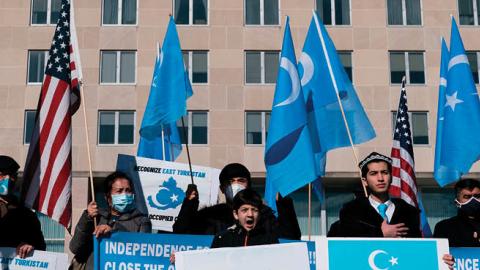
<point x="192" y="192"/>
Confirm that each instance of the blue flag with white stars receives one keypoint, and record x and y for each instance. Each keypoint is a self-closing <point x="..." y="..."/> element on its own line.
<point x="289" y="157"/>
<point x="459" y="133"/>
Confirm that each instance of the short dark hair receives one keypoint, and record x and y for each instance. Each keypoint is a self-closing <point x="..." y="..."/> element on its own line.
<point x="247" y="196"/>
<point x="233" y="170"/>
<point x="467" y="183"/>
<point x="111" y="178"/>
<point x="365" y="168"/>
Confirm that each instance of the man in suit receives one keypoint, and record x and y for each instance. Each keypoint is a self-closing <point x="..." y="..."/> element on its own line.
<point x="463" y="230"/>
<point x="377" y="215"/>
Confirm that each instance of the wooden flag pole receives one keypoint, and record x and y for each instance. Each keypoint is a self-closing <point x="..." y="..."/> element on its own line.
<point x="83" y="101"/>
<point x="335" y="86"/>
<point x="188" y="151"/>
<point x="89" y="157"/>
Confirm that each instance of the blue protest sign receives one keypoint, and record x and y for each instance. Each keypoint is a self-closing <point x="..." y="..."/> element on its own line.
<point x="140" y="251"/>
<point x="383" y="254"/>
<point x="466" y="258"/>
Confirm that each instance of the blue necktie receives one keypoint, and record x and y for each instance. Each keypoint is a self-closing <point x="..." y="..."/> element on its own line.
<point x="382" y="210"/>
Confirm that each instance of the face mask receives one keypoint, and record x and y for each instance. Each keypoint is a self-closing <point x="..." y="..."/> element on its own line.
<point x="4" y="183"/>
<point x="123" y="202"/>
<point x="232" y="190"/>
<point x="471" y="207"/>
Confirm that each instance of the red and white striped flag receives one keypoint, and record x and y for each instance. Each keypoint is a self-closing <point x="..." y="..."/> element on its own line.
<point x="48" y="170"/>
<point x="404" y="182"/>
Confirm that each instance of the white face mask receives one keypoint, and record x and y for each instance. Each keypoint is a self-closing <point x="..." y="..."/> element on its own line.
<point x="232" y="190"/>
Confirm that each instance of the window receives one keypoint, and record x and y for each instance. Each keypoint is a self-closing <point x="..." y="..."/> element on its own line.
<point x="418" y="125"/>
<point x="117" y="67"/>
<point x="191" y="12"/>
<point x="196" y="128"/>
<point x="334" y="12"/>
<point x="116" y="127"/>
<point x="262" y="12"/>
<point x="45" y="11"/>
<point x="409" y="64"/>
<point x="197" y="65"/>
<point x="261" y="67"/>
<point x="36" y="66"/>
<point x="119" y="12"/>
<point x="473" y="60"/>
<point x="404" y="12"/>
<point x="256" y="127"/>
<point x="346" y="59"/>
<point x="29" y="124"/>
<point x="468" y="12"/>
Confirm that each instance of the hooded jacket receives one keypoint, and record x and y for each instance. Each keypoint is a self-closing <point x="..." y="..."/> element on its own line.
<point x="82" y="242"/>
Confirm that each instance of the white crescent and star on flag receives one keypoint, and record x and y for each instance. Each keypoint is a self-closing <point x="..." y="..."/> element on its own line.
<point x="371" y="260"/>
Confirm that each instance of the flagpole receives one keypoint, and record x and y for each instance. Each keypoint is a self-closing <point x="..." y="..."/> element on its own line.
<point x="163" y="136"/>
<point x="188" y="151"/>
<point x="83" y="101"/>
<point x="334" y="82"/>
<point x="309" y="211"/>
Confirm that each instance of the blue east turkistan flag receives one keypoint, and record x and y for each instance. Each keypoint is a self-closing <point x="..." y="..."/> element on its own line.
<point x="289" y="156"/>
<point x="170" y="88"/>
<point x="151" y="144"/>
<point x="382" y="254"/>
<point x="322" y="77"/>
<point x="459" y="143"/>
<point x="442" y="172"/>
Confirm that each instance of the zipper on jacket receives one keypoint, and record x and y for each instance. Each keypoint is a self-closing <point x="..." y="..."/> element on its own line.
<point x="245" y="242"/>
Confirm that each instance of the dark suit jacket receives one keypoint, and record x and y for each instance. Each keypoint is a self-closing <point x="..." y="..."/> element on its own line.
<point x="460" y="231"/>
<point x="359" y="219"/>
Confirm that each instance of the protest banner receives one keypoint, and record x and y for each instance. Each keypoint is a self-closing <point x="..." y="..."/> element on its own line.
<point x="279" y="257"/>
<point x="311" y="251"/>
<point x="381" y="253"/>
<point x="141" y="251"/>
<point x="466" y="258"/>
<point x="39" y="260"/>
<point x="160" y="187"/>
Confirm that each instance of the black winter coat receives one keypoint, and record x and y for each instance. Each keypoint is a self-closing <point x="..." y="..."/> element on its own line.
<point x="236" y="236"/>
<point x="19" y="224"/>
<point x="460" y="231"/>
<point x="81" y="244"/>
<point x="216" y="219"/>
<point x="359" y="219"/>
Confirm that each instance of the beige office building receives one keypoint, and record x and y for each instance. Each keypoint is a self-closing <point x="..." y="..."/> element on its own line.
<point x="231" y="50"/>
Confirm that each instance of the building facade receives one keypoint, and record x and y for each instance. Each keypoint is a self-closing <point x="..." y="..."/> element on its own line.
<point x="231" y="49"/>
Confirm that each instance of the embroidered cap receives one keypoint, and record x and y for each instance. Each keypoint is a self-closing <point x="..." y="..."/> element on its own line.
<point x="374" y="156"/>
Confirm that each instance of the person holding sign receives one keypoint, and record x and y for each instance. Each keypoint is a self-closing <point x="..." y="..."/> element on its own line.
<point x="377" y="215"/>
<point x="20" y="227"/>
<point x="247" y="206"/>
<point x="463" y="230"/>
<point x="121" y="215"/>
<point x="234" y="177"/>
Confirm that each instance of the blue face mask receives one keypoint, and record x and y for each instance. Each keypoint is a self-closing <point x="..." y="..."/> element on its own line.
<point x="4" y="183"/>
<point x="124" y="202"/>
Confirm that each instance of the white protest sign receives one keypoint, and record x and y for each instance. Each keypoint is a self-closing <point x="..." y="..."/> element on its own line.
<point x="160" y="186"/>
<point x="40" y="260"/>
<point x="279" y="257"/>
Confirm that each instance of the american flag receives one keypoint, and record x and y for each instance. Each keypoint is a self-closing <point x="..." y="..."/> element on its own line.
<point x="404" y="183"/>
<point x="48" y="169"/>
